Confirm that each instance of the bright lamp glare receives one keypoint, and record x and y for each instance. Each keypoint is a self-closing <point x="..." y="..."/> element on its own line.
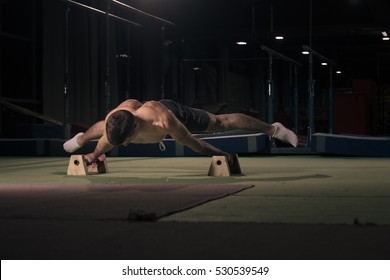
<point x="279" y="37"/>
<point x="385" y="38"/>
<point x="324" y="63"/>
<point x="241" y="43"/>
<point x="305" y="52"/>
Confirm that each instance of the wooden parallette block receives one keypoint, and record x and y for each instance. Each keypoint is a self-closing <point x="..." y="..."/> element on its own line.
<point x="78" y="166"/>
<point x="220" y="166"/>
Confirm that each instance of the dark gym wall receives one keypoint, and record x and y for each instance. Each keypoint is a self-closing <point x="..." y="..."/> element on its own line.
<point x="32" y="60"/>
<point x="87" y="62"/>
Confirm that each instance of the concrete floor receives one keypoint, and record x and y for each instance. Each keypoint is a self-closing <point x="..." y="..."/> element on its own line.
<point x="301" y="207"/>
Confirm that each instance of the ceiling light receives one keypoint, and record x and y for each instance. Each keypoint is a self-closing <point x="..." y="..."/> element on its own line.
<point x="384" y="33"/>
<point x="305" y="52"/>
<point x="241" y="43"/>
<point x="385" y="38"/>
<point x="279" y="37"/>
<point x="324" y="63"/>
<point x="338" y="72"/>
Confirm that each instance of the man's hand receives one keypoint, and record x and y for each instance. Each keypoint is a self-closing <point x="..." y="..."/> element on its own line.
<point x="93" y="162"/>
<point x="91" y="158"/>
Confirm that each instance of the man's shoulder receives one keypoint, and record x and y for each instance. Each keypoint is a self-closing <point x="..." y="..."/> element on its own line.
<point x="154" y="105"/>
<point x="130" y="103"/>
<point x="151" y="103"/>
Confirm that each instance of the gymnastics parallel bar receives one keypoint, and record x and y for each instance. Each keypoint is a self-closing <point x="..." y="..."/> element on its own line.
<point x="143" y="13"/>
<point x="272" y="53"/>
<point x="286" y="58"/>
<point x="320" y="56"/>
<point x="101" y="12"/>
<point x="30" y="113"/>
<point x="311" y="128"/>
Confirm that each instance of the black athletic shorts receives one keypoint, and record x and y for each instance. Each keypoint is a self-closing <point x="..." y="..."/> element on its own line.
<point x="194" y="120"/>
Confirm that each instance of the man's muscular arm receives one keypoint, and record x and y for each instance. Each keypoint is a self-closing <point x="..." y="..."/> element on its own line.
<point x="102" y="147"/>
<point x="180" y="133"/>
<point x="200" y="146"/>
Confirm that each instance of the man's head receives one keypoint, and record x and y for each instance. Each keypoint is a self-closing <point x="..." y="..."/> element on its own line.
<point x="119" y="126"/>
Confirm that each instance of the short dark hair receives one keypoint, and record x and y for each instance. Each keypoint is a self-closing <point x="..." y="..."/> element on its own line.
<point x="119" y="126"/>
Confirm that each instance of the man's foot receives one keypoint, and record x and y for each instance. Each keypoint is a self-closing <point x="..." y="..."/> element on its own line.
<point x="285" y="134"/>
<point x="71" y="145"/>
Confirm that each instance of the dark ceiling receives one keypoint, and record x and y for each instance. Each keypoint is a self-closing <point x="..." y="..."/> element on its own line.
<point x="345" y="31"/>
<point x="345" y="20"/>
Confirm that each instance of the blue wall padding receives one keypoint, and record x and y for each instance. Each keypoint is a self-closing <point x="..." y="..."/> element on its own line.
<point x="350" y="145"/>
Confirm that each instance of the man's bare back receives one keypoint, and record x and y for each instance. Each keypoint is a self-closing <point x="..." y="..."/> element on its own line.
<point x="155" y="121"/>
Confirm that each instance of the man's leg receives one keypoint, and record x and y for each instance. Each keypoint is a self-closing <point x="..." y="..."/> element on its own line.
<point x="94" y="132"/>
<point x="241" y="121"/>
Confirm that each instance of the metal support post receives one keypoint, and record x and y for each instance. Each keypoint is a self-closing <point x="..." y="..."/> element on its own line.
<point x="66" y="76"/>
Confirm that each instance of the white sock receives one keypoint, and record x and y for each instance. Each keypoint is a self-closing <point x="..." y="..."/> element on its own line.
<point x="285" y="134"/>
<point x="71" y="145"/>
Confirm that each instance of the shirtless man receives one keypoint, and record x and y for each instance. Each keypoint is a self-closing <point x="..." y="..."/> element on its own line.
<point x="152" y="121"/>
